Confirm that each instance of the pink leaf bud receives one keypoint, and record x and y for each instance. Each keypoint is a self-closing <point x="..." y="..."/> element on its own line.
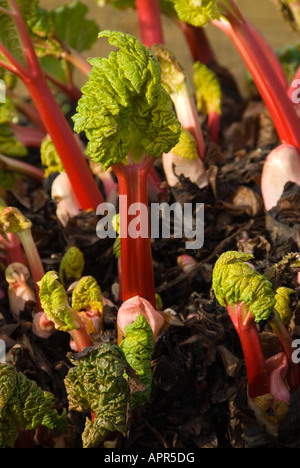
<point x="67" y="203"/>
<point x="19" y="292"/>
<point x="186" y="263"/>
<point x="134" y="306"/>
<point x="42" y="326"/>
<point x="282" y="165"/>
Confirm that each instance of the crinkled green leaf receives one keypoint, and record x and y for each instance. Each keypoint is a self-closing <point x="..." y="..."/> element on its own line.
<point x="234" y="281"/>
<point x="71" y="266"/>
<point x="87" y="295"/>
<point x="9" y="145"/>
<point x="283" y="306"/>
<point x="97" y="383"/>
<point x="54" y="302"/>
<point x="13" y="220"/>
<point x="9" y="35"/>
<point x="173" y="75"/>
<point x="197" y="12"/>
<point x="49" y="157"/>
<point x="71" y="26"/>
<point x="208" y="90"/>
<point x="124" y="107"/>
<point x="23" y="404"/>
<point x="186" y="147"/>
<point x="138" y="346"/>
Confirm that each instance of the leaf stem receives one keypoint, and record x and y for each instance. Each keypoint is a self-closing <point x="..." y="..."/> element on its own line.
<point x="243" y="321"/>
<point x="150" y="22"/>
<point x="136" y="254"/>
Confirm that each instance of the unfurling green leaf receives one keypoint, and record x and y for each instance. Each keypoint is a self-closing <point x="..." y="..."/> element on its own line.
<point x="87" y="295"/>
<point x="186" y="147"/>
<point x="208" y="90"/>
<point x="97" y="383"/>
<point x="173" y="75"/>
<point x="138" y="346"/>
<point x="283" y="306"/>
<point x="71" y="266"/>
<point x="235" y="281"/>
<point x="49" y="157"/>
<point x="13" y="220"/>
<point x="197" y="12"/>
<point x="25" y="405"/>
<point x="124" y="107"/>
<point x="9" y="145"/>
<point x="54" y="302"/>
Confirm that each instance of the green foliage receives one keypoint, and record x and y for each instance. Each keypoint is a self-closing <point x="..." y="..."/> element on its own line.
<point x="208" y="90"/>
<point x="54" y="302"/>
<point x="124" y="107"/>
<point x="195" y="12"/>
<point x="9" y="145"/>
<point x="138" y="346"/>
<point x="49" y="157"/>
<point x="87" y="295"/>
<point x="71" y="266"/>
<point x="25" y="405"/>
<point x="9" y="35"/>
<point x="186" y="147"/>
<point x="173" y="75"/>
<point x="235" y="281"/>
<point x="97" y="383"/>
<point x="283" y="306"/>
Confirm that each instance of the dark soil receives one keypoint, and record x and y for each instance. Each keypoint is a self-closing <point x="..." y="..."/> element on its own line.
<point x="199" y="393"/>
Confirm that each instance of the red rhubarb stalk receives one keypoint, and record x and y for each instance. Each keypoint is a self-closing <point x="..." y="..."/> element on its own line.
<point x="268" y="83"/>
<point x="150" y="22"/>
<point x="243" y="321"/>
<point x="136" y="255"/>
<point x="54" y="121"/>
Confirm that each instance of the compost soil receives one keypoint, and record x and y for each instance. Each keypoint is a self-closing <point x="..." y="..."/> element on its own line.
<point x="199" y="390"/>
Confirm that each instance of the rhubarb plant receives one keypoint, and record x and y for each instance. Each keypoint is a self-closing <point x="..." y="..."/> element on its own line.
<point x="97" y="382"/>
<point x="260" y="60"/>
<point x="249" y="298"/>
<point x="24" y="405"/>
<point x="14" y="222"/>
<point x="128" y="119"/>
<point x="178" y="86"/>
<point x="18" y="56"/>
<point x="55" y="304"/>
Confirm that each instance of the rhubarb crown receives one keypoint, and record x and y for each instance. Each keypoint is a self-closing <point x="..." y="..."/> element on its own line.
<point x="235" y="281"/>
<point x="124" y="107"/>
